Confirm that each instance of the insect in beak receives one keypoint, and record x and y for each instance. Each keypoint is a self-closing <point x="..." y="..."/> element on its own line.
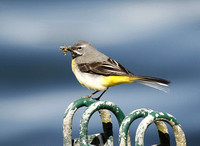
<point x="65" y="49"/>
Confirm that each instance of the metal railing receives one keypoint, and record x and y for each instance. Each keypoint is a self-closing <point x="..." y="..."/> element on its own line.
<point x="106" y="138"/>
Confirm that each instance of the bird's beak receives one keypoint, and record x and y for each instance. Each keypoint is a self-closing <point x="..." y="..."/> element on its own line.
<point x="65" y="49"/>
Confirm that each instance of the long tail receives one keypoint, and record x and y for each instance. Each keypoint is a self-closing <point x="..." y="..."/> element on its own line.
<point x="157" y="83"/>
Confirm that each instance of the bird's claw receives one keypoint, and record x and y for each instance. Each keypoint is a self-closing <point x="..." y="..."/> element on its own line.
<point x="88" y="96"/>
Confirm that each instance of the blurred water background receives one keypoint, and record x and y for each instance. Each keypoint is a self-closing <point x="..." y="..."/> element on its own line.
<point x="155" y="38"/>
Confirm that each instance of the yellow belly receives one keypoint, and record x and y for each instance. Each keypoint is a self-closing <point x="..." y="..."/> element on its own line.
<point x="116" y="80"/>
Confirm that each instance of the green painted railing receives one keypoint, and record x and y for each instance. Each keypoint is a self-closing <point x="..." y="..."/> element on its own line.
<point x="106" y="138"/>
<point x="88" y="113"/>
<point x="162" y="128"/>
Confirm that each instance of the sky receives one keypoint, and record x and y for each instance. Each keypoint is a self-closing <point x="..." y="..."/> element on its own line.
<point x="154" y="38"/>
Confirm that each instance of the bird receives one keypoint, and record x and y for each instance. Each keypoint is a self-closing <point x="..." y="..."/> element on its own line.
<point x="96" y="71"/>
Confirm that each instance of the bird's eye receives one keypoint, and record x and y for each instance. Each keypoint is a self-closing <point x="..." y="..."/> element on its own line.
<point x="79" y="48"/>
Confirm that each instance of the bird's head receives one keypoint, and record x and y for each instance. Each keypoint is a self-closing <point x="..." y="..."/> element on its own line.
<point x="78" y="49"/>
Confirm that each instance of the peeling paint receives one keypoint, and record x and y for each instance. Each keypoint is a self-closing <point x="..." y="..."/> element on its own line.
<point x="139" y="138"/>
<point x="68" y="117"/>
<point x="149" y="116"/>
<point x="161" y="113"/>
<point x="179" y="135"/>
<point x="88" y="113"/>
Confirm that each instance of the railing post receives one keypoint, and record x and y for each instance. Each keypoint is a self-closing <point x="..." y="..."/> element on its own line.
<point x="68" y="117"/>
<point x="160" y="116"/>
<point x="89" y="112"/>
<point x="106" y="138"/>
<point x="123" y="130"/>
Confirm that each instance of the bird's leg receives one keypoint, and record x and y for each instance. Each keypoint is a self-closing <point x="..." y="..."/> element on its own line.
<point x="90" y="96"/>
<point x="100" y="95"/>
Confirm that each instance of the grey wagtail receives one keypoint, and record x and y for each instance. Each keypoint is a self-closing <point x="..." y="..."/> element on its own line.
<point x="98" y="72"/>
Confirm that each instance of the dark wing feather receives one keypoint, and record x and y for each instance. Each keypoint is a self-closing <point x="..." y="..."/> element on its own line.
<point x="106" y="68"/>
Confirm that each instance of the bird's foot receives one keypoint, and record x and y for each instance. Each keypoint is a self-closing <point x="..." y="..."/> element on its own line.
<point x="85" y="96"/>
<point x="88" y="96"/>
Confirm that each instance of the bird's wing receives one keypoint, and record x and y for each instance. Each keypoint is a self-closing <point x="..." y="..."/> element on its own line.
<point x="106" y="68"/>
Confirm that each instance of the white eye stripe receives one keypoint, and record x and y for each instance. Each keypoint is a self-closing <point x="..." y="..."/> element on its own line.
<point x="82" y="46"/>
